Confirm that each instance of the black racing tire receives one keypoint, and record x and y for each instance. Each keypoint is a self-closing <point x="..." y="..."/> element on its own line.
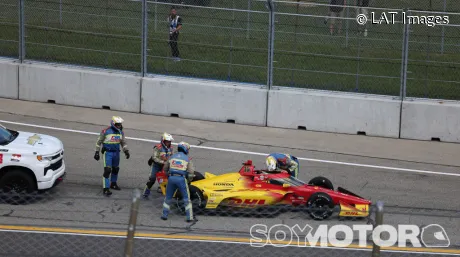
<point x="321" y="182"/>
<point x="320" y="206"/>
<point x="16" y="185"/>
<point x="197" y="198"/>
<point x="198" y="176"/>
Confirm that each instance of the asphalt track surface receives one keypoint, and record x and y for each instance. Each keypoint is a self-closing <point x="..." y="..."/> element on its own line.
<point x="418" y="181"/>
<point x="38" y="245"/>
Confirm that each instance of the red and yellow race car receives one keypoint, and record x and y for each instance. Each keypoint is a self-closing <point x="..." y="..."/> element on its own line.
<point x="251" y="188"/>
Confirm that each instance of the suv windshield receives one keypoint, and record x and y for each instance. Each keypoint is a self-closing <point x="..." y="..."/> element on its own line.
<point x="291" y="181"/>
<point x="6" y="136"/>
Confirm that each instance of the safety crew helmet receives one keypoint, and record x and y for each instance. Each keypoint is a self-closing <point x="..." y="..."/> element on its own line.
<point x="167" y="137"/>
<point x="166" y="140"/>
<point x="184" y="146"/>
<point x="271" y="163"/>
<point x="116" y="122"/>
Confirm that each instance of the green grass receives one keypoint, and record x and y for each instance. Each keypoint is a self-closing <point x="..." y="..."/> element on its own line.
<point x="107" y="34"/>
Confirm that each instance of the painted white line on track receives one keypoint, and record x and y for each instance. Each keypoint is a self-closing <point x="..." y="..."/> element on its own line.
<point x="246" y="152"/>
<point x="217" y="242"/>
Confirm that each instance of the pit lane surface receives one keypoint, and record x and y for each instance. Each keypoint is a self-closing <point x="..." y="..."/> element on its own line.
<point x="64" y="245"/>
<point x="410" y="195"/>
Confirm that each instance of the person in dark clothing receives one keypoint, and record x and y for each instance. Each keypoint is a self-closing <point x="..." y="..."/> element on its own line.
<point x="175" y="25"/>
<point x="336" y="13"/>
<point x="363" y="6"/>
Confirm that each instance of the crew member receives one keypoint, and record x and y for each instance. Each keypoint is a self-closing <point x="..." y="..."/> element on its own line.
<point x="282" y="161"/>
<point x="111" y="138"/>
<point x="161" y="153"/>
<point x="180" y="172"/>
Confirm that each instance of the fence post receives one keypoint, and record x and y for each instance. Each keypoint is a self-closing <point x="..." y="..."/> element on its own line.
<point x="443" y="27"/>
<point x="60" y="12"/>
<point x="404" y="58"/>
<point x="132" y="223"/>
<point x="155" y="17"/>
<point x="22" y="45"/>
<point x="378" y="222"/>
<point x="271" y="42"/>
<point x="248" y="24"/>
<point x="144" y="38"/>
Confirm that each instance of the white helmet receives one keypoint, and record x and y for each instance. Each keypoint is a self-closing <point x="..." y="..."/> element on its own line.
<point x="117" y="122"/>
<point x="166" y="137"/>
<point x="271" y="163"/>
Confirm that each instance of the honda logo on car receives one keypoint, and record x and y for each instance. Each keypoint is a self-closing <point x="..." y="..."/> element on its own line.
<point x="282" y="235"/>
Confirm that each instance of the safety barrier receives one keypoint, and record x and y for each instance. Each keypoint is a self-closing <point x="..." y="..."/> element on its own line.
<point x="431" y="120"/>
<point x="9" y="72"/>
<point x="334" y="112"/>
<point x="226" y="102"/>
<point x="202" y="100"/>
<point x="79" y="87"/>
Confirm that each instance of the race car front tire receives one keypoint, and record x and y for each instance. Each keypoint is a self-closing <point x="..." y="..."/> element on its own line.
<point x="320" y="206"/>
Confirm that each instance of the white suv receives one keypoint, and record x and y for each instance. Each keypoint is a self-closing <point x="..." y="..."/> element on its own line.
<point x="29" y="161"/>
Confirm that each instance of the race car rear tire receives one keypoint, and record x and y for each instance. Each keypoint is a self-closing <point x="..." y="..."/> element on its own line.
<point x="197" y="199"/>
<point x="198" y="176"/>
<point x="320" y="206"/>
<point x="321" y="182"/>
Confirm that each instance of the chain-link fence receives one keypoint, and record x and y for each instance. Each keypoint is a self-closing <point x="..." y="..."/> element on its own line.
<point x="61" y="224"/>
<point x="291" y="43"/>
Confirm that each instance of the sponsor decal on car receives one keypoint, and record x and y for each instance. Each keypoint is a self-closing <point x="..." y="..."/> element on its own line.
<point x="246" y="201"/>
<point x="224" y="184"/>
<point x="16" y="158"/>
<point x="32" y="140"/>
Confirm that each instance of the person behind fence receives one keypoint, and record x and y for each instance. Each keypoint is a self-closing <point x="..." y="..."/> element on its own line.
<point x="280" y="161"/>
<point x="335" y="13"/>
<point x="363" y="6"/>
<point x="175" y="25"/>
<point x="110" y="139"/>
<point x="180" y="172"/>
<point x="161" y="153"/>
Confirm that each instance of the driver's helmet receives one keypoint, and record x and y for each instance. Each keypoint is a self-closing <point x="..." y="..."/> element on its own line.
<point x="271" y="163"/>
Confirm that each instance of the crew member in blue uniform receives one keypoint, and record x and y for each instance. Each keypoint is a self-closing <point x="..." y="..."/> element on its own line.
<point x="110" y="139"/>
<point x="180" y="172"/>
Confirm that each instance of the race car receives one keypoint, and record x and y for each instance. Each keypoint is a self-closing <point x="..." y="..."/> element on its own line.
<point x="251" y="188"/>
<point x="29" y="162"/>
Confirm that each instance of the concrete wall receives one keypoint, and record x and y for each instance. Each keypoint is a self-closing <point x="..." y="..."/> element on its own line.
<point x="79" y="87"/>
<point x="204" y="101"/>
<point x="427" y="119"/>
<point x="9" y="71"/>
<point x="334" y="112"/>
<point x="245" y="104"/>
